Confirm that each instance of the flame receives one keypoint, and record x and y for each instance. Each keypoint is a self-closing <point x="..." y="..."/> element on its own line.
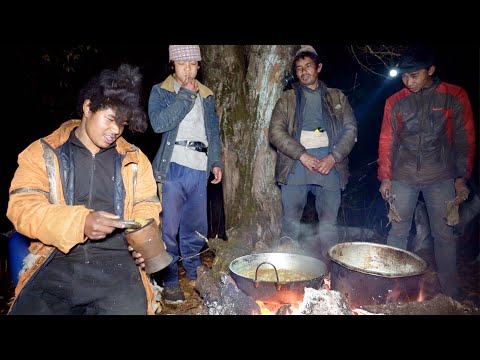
<point x="421" y="293"/>
<point x="326" y="282"/>
<point x="397" y="292"/>
<point x="273" y="308"/>
<point x="264" y="310"/>
<point x="393" y="295"/>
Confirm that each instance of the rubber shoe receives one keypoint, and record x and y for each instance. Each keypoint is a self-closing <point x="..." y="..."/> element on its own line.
<point x="173" y="295"/>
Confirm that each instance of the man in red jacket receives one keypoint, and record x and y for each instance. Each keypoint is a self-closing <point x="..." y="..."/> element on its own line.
<point x="427" y="144"/>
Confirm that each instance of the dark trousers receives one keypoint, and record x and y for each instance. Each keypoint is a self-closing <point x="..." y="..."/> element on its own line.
<point x="327" y="203"/>
<point x="436" y="196"/>
<point x="73" y="286"/>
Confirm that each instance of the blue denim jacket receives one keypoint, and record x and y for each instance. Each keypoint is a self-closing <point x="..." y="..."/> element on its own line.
<point x="166" y="109"/>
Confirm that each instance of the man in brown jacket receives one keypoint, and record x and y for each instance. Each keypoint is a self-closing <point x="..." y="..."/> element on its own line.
<point x="313" y="129"/>
<point x="69" y="193"/>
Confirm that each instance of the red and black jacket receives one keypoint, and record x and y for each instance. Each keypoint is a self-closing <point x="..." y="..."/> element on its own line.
<point x="427" y="136"/>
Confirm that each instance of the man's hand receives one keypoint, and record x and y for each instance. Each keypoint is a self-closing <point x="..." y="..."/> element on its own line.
<point x="99" y="224"/>
<point x="325" y="164"/>
<point x="137" y="257"/>
<point x="217" y="172"/>
<point x="309" y="161"/>
<point x="461" y="190"/>
<point x="190" y="84"/>
<point x="386" y="188"/>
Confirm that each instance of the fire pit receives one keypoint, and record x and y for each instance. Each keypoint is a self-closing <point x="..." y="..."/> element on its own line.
<point x="371" y="274"/>
<point x="278" y="278"/>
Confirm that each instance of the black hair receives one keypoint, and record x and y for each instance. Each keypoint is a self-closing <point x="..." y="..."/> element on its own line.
<point x="316" y="59"/>
<point x="416" y="57"/>
<point x="120" y="91"/>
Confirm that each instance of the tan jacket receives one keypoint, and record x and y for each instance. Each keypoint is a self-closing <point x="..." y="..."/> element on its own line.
<point x="37" y="205"/>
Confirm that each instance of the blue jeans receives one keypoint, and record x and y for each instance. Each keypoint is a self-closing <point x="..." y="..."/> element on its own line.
<point x="184" y="211"/>
<point x="436" y="196"/>
<point x="327" y="203"/>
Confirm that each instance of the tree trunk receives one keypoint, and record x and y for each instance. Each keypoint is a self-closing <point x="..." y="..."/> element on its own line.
<point x="246" y="80"/>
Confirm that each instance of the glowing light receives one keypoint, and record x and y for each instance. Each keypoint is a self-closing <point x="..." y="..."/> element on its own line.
<point x="393" y="72"/>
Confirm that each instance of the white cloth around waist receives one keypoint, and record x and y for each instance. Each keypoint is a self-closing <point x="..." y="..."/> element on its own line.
<point x="313" y="139"/>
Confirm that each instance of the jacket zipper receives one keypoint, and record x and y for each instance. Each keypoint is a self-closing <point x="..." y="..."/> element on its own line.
<point x="90" y="191"/>
<point x="420" y="136"/>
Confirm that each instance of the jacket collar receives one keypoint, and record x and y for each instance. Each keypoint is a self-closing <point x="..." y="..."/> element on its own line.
<point x="296" y="86"/>
<point x="433" y="85"/>
<point x="202" y="89"/>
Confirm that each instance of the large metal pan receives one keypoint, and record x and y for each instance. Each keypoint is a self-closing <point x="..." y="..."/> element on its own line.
<point x="370" y="274"/>
<point x="277" y="277"/>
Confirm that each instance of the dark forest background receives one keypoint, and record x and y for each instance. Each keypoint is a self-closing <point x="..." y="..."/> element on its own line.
<point x="41" y="82"/>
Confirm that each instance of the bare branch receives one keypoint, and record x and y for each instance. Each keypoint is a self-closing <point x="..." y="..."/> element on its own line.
<point x="377" y="59"/>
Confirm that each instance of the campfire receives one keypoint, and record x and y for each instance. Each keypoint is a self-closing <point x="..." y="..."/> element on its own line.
<point x="298" y="308"/>
<point x="221" y="294"/>
<point x="308" y="303"/>
<point x="225" y="298"/>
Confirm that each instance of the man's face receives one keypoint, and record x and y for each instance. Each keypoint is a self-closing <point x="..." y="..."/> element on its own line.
<point x="186" y="69"/>
<point x="307" y="72"/>
<point x="417" y="80"/>
<point x="100" y="129"/>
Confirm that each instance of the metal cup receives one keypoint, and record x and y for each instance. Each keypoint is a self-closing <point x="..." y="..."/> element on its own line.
<point x="147" y="240"/>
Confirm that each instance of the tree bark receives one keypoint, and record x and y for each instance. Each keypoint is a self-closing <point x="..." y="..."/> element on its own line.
<point x="246" y="81"/>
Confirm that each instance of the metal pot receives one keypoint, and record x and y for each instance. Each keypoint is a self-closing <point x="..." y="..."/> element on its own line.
<point x="370" y="274"/>
<point x="288" y="275"/>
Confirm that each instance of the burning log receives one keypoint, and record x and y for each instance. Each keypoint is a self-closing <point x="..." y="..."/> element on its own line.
<point x="207" y="286"/>
<point x="223" y="297"/>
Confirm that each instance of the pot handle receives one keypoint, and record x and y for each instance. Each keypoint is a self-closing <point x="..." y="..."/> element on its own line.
<point x="256" y="282"/>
